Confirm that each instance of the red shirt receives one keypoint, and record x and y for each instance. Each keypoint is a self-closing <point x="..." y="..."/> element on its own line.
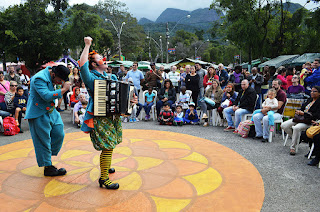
<point x="207" y="81"/>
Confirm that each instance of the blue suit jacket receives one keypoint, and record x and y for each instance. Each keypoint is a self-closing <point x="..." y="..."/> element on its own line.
<point x="42" y="94"/>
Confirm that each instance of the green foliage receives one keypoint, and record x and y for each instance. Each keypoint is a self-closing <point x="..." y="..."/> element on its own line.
<point x="30" y="33"/>
<point x="182" y="36"/>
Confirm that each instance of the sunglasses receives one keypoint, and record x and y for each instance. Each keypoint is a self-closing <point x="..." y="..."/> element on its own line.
<point x="14" y="85"/>
<point x="294" y="77"/>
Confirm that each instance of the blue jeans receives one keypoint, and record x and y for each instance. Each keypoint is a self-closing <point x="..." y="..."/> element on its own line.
<point x="228" y="112"/>
<point x="270" y="116"/>
<point x="147" y="108"/>
<point x="4" y="114"/>
<point x="265" y="120"/>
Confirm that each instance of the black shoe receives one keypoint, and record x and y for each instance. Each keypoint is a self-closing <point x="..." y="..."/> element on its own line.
<point x="308" y="154"/>
<point x="112" y="186"/>
<point x="53" y="171"/>
<point x="20" y="131"/>
<point x="258" y="137"/>
<point x="111" y="170"/>
<point x="264" y="140"/>
<point x="315" y="161"/>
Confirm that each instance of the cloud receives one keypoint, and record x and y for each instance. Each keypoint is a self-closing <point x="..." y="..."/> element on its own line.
<point x="151" y="9"/>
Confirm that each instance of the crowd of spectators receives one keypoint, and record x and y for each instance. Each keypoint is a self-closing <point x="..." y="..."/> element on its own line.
<point x="186" y="95"/>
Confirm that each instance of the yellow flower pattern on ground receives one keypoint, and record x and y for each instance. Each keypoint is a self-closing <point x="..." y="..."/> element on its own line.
<point x="166" y="144"/>
<point x="135" y="140"/>
<point x="131" y="182"/>
<point x="34" y="171"/>
<point x="172" y="205"/>
<point x="197" y="158"/>
<point x="20" y="153"/>
<point x="206" y="181"/>
<point x="94" y="174"/>
<point x="165" y="172"/>
<point x="74" y="153"/>
<point x="123" y="150"/>
<point x="78" y="163"/>
<point x="56" y="188"/>
<point x="147" y="163"/>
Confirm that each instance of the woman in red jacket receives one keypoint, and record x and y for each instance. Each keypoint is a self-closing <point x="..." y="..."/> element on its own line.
<point x="75" y="96"/>
<point x="208" y="79"/>
<point x="281" y="75"/>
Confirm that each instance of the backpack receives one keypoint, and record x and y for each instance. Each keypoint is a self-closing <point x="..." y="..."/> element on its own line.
<point x="244" y="128"/>
<point x="10" y="126"/>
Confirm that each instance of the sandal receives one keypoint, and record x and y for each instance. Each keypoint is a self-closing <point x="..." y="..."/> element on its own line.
<point x="292" y="152"/>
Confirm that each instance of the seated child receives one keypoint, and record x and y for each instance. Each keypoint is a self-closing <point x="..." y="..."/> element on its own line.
<point x="149" y="101"/>
<point x="178" y="116"/>
<point x="183" y="99"/>
<point x="191" y="116"/>
<point x="20" y="104"/>
<point x="166" y="115"/>
<point x="77" y="108"/>
<point x="75" y="96"/>
<point x="270" y="103"/>
<point x="84" y="91"/>
<point x="82" y="112"/>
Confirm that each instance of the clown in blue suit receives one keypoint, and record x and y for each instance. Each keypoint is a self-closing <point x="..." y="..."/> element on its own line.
<point x="45" y="122"/>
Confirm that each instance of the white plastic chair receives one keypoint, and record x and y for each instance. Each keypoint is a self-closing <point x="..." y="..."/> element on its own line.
<point x="279" y="121"/>
<point x="1" y="125"/>
<point x="153" y="107"/>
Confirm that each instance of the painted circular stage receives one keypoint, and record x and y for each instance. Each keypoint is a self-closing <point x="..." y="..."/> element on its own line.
<point x="156" y="170"/>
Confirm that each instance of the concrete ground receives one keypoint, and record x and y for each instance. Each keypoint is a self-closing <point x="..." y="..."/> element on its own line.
<point x="289" y="183"/>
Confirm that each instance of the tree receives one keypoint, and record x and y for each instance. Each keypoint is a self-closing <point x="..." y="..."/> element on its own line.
<point x="32" y="34"/>
<point x="246" y="23"/>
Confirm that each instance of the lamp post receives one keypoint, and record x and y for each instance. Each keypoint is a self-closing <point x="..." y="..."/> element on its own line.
<point x="159" y="45"/>
<point x="118" y="30"/>
<point x="196" y="49"/>
<point x="168" y="34"/>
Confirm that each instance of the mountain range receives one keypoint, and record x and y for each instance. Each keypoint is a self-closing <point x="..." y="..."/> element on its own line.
<point x="200" y="19"/>
<point x="174" y="15"/>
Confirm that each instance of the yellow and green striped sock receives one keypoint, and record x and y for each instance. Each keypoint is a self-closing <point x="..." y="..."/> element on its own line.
<point x="105" y="163"/>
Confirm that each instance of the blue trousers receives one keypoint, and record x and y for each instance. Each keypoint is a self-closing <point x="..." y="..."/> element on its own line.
<point x="263" y="130"/>
<point x="47" y="136"/>
<point x="270" y="116"/>
<point x="228" y="112"/>
<point x="147" y="108"/>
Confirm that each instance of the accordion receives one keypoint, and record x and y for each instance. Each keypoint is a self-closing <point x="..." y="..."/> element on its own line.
<point x="112" y="98"/>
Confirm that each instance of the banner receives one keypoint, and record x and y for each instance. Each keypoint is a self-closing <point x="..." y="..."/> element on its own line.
<point x="172" y="51"/>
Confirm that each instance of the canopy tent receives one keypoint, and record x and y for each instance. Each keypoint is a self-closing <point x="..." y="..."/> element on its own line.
<point x="66" y="57"/>
<point x="254" y="62"/>
<point x="127" y="64"/>
<point x="188" y="61"/>
<point x="279" y="61"/>
<point x="307" y="57"/>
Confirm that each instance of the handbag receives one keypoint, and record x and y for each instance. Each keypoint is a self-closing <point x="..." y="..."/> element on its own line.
<point x="312" y="131"/>
<point x="305" y="118"/>
<point x="209" y="101"/>
<point x="225" y="103"/>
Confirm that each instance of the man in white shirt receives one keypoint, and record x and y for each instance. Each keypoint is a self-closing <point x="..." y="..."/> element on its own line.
<point x="174" y="76"/>
<point x="25" y="81"/>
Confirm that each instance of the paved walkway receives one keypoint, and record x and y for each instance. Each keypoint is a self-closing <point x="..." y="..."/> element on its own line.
<point x="155" y="174"/>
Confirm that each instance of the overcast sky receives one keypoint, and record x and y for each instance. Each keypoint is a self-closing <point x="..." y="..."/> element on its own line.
<point x="151" y="9"/>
